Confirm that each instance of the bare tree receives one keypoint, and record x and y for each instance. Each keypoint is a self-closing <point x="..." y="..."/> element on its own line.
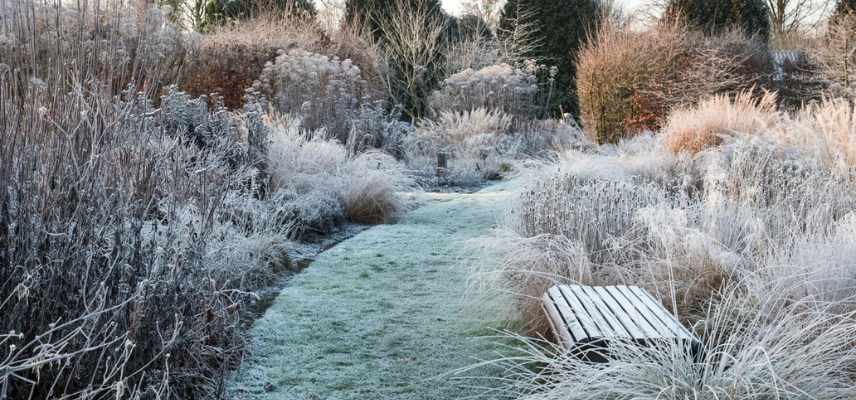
<point x="412" y="43"/>
<point x="836" y="56"/>
<point x="518" y="39"/>
<point x="488" y="10"/>
<point x="790" y="16"/>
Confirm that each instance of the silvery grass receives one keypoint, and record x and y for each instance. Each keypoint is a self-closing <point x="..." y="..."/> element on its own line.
<point x="483" y="144"/>
<point x="755" y="347"/>
<point x="318" y="182"/>
<point x="640" y="209"/>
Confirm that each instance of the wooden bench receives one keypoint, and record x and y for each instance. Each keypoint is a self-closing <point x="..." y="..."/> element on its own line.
<point x="586" y="318"/>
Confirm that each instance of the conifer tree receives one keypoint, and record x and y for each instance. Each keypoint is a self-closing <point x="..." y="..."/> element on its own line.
<point x="552" y="31"/>
<point x="717" y="16"/>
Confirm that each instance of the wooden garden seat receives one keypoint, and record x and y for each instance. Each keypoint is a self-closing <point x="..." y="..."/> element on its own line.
<point x="586" y="318"/>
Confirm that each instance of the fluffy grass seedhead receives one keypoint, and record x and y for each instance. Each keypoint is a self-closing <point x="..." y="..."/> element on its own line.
<point x="827" y="130"/>
<point x="714" y="120"/>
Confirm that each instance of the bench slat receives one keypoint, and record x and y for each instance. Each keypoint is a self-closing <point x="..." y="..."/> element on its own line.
<point x="665" y="316"/>
<point x="633" y="313"/>
<point x="586" y="319"/>
<point x="660" y="329"/>
<point x="603" y="310"/>
<point x="558" y="323"/>
<point x="583" y="314"/>
<point x="621" y="314"/>
<point x="568" y="315"/>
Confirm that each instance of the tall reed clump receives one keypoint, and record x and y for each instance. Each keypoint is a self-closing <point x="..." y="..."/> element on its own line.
<point x="134" y="228"/>
<point x="118" y="44"/>
<point x="628" y="81"/>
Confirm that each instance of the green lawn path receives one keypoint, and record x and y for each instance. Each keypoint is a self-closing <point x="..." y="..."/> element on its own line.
<point x="383" y="315"/>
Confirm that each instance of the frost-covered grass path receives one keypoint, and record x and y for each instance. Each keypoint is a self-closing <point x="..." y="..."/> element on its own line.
<point x="382" y="315"/>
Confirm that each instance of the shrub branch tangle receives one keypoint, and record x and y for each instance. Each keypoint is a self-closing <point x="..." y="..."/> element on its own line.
<point x="628" y="81"/>
<point x="412" y="35"/>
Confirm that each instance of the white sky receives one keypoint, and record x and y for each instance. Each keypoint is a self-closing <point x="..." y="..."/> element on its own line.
<point x="454" y="6"/>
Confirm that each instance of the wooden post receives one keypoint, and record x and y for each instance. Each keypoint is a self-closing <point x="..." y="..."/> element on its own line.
<point x="442" y="163"/>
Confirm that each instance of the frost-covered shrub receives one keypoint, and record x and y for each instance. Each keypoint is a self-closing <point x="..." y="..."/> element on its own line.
<point x="496" y="87"/>
<point x="793" y="193"/>
<point x="375" y="128"/>
<point x="152" y="254"/>
<point x="827" y="260"/>
<point x="747" y="242"/>
<point x="474" y="51"/>
<point x="628" y="81"/>
<point x="589" y="211"/>
<point x="133" y="229"/>
<point x="452" y="131"/>
<point x="371" y="194"/>
<point x="473" y="142"/>
<point x="324" y="92"/>
<point x="228" y="60"/>
<point x="682" y="227"/>
<point x="482" y="144"/>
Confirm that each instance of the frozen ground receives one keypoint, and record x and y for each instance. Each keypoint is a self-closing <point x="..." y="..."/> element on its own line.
<point x="384" y="314"/>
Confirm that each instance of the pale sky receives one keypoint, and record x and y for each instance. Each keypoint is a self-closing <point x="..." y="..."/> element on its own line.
<point x="454" y="6"/>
